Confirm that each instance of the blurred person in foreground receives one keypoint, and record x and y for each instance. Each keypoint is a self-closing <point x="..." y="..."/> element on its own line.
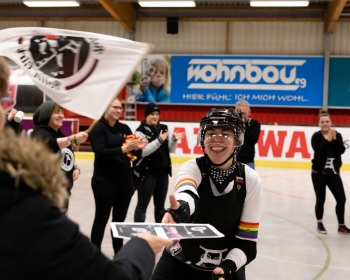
<point x="153" y="168"/>
<point x="38" y="241"/>
<point x="218" y="190"/>
<point x="4" y="80"/>
<point x="251" y="136"/>
<point x="48" y="120"/>
<point x="328" y="147"/>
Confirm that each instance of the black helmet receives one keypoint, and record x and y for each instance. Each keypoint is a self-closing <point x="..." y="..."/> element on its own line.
<point x="222" y="118"/>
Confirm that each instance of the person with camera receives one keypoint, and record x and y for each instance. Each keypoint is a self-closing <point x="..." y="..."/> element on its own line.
<point x="252" y="131"/>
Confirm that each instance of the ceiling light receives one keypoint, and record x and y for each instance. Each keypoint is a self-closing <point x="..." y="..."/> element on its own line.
<point x="271" y="3"/>
<point x="167" y="4"/>
<point x="42" y="3"/>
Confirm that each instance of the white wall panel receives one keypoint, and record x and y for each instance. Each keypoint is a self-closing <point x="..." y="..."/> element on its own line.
<point x="276" y="38"/>
<point x="197" y="37"/>
<point x="10" y="24"/>
<point x="264" y="38"/>
<point x="112" y="28"/>
<point x="340" y="39"/>
<point x="192" y="38"/>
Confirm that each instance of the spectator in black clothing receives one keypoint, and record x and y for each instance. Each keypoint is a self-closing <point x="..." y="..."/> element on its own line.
<point x="111" y="182"/>
<point x="152" y="170"/>
<point x="252" y="131"/>
<point x="48" y="119"/>
<point x="328" y="146"/>
<point x="38" y="241"/>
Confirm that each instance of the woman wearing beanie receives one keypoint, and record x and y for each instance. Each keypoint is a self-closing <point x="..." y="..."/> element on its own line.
<point x="152" y="170"/>
<point x="48" y="120"/>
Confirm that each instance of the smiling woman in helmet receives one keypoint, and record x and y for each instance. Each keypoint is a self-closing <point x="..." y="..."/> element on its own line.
<point x="217" y="190"/>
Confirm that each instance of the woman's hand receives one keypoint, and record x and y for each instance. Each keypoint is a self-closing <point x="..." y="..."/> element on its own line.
<point x="178" y="135"/>
<point x="156" y="243"/>
<point x="132" y="144"/>
<point x="76" y="173"/>
<point x="81" y="137"/>
<point x="331" y="135"/>
<point x="163" y="135"/>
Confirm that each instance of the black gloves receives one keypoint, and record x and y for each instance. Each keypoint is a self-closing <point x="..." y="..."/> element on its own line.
<point x="227" y="266"/>
<point x="181" y="215"/>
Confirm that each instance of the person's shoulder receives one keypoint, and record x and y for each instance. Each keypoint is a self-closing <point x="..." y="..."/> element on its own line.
<point x="252" y="176"/>
<point x="124" y="126"/>
<point x="255" y="121"/>
<point x="41" y="131"/>
<point x="317" y="134"/>
<point x="98" y="126"/>
<point x="189" y="164"/>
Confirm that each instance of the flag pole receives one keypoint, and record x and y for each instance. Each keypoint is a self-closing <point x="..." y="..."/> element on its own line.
<point x="91" y="126"/>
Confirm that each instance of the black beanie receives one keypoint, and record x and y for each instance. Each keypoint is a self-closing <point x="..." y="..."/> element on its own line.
<point x="150" y="108"/>
<point x="43" y="113"/>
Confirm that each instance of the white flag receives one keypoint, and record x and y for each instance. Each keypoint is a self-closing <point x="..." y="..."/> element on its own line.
<point x="81" y="71"/>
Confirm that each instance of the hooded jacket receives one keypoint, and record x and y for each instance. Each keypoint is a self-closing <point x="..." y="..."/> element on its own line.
<point x="45" y="133"/>
<point x="37" y="240"/>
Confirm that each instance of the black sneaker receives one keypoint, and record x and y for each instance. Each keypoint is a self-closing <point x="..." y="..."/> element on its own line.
<point x="343" y="230"/>
<point x="321" y="228"/>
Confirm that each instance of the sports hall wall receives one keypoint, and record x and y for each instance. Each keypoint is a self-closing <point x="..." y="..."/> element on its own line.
<point x="228" y="37"/>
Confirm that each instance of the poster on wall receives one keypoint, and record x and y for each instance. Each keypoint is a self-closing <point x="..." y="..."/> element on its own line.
<point x="223" y="80"/>
<point x="152" y="79"/>
<point x="339" y="82"/>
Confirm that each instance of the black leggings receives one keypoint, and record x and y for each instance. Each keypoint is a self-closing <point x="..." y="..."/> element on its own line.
<point x="151" y="186"/>
<point x="169" y="268"/>
<point x="110" y="193"/>
<point x="335" y="185"/>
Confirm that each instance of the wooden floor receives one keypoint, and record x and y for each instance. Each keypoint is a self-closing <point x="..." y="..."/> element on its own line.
<point x="288" y="247"/>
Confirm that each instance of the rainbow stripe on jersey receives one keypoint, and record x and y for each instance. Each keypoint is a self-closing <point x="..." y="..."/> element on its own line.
<point x="248" y="230"/>
<point x="188" y="183"/>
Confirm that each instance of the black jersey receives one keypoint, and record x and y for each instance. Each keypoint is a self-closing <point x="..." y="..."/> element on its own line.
<point x="223" y="212"/>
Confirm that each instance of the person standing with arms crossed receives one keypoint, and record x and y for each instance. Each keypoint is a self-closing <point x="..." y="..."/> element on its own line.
<point x="218" y="190"/>
<point x="252" y="131"/>
<point x="328" y="147"/>
<point x="152" y="169"/>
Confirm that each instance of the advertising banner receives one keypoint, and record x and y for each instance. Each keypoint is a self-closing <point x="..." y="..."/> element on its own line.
<point x="268" y="81"/>
<point x="223" y="80"/>
<point x="278" y="146"/>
